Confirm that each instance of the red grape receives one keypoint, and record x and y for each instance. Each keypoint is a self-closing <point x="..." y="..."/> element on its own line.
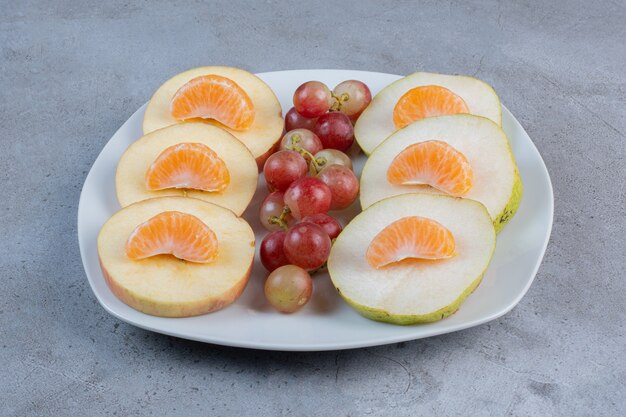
<point x="335" y="131"/>
<point x="312" y="99"/>
<point x="343" y="184"/>
<point x="358" y="96"/>
<point x="306" y="196"/>
<point x="283" y="168"/>
<point x="326" y="222"/>
<point x="294" y="120"/>
<point x="304" y="139"/>
<point x="307" y="245"/>
<point x="327" y="157"/>
<point x="271" y="250"/>
<point x="288" y="288"/>
<point x="273" y="206"/>
<point x="353" y="119"/>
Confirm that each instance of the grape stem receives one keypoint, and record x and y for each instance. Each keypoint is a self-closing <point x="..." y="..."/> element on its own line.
<point x="281" y="220"/>
<point x="318" y="163"/>
<point x="338" y="101"/>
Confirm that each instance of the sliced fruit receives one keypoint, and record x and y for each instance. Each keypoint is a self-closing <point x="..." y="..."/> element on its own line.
<point x="214" y="97"/>
<point x="410" y="237"/>
<point x="261" y="137"/>
<point x="146" y="156"/>
<point x="434" y="163"/>
<point x="164" y="285"/>
<point x="172" y="232"/>
<point x="188" y="165"/>
<point x="426" y="101"/>
<point x="288" y="288"/>
<point x="496" y="182"/>
<point x="376" y="122"/>
<point x="414" y="291"/>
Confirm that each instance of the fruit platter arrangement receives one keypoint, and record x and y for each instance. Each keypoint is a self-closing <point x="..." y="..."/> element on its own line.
<point x="394" y="198"/>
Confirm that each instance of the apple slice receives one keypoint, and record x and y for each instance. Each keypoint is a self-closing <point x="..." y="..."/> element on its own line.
<point x="261" y="137"/>
<point x="130" y="180"/>
<point x="164" y="285"/>
<point x="413" y="290"/>
<point x="456" y="94"/>
<point x="484" y="148"/>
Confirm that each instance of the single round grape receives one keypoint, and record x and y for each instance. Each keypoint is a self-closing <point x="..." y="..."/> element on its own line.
<point x="312" y="99"/>
<point x="271" y="250"/>
<point x="288" y="288"/>
<point x="307" y="245"/>
<point x="301" y="139"/>
<point x="294" y="120"/>
<point x="283" y="168"/>
<point x="307" y="196"/>
<point x="272" y="206"/>
<point x="330" y="225"/>
<point x="335" y="131"/>
<point x="358" y="97"/>
<point x="327" y="157"/>
<point x="343" y="184"/>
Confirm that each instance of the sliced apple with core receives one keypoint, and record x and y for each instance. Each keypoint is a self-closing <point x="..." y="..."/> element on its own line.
<point x="231" y="98"/>
<point x="480" y="147"/>
<point x="163" y="284"/>
<point x="457" y="236"/>
<point x="420" y="95"/>
<point x="191" y="159"/>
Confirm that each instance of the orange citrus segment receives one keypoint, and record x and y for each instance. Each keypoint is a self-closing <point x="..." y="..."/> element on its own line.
<point x="410" y="238"/>
<point x="188" y="165"/>
<point x="434" y="163"/>
<point x="172" y="232"/>
<point x="214" y="97"/>
<point x="426" y="101"/>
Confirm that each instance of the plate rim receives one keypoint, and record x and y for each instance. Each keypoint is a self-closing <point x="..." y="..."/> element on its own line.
<point x="277" y="346"/>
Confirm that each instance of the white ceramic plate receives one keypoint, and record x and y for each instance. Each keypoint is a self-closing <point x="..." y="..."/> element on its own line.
<point x="326" y="323"/>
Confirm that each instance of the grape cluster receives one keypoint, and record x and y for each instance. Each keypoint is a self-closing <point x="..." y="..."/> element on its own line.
<point x="308" y="176"/>
<point x="329" y="114"/>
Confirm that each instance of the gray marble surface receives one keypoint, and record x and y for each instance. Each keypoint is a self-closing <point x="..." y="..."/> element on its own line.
<point x="72" y="73"/>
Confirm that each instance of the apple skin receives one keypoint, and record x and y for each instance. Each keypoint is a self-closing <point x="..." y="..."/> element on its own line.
<point x="260" y="160"/>
<point x="155" y="308"/>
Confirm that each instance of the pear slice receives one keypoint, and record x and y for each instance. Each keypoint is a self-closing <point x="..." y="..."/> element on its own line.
<point x="261" y="138"/>
<point x="376" y="123"/>
<point x="413" y="291"/>
<point x="130" y="179"/>
<point x="497" y="183"/>
<point x="164" y="285"/>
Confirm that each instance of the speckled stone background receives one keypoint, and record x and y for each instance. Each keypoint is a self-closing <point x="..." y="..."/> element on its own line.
<point x="72" y="73"/>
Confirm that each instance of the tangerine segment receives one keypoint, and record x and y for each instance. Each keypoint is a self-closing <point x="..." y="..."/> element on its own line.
<point x="435" y="163"/>
<point x="172" y="232"/>
<point x="214" y="97"/>
<point x="426" y="101"/>
<point x="410" y="237"/>
<point x="188" y="165"/>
